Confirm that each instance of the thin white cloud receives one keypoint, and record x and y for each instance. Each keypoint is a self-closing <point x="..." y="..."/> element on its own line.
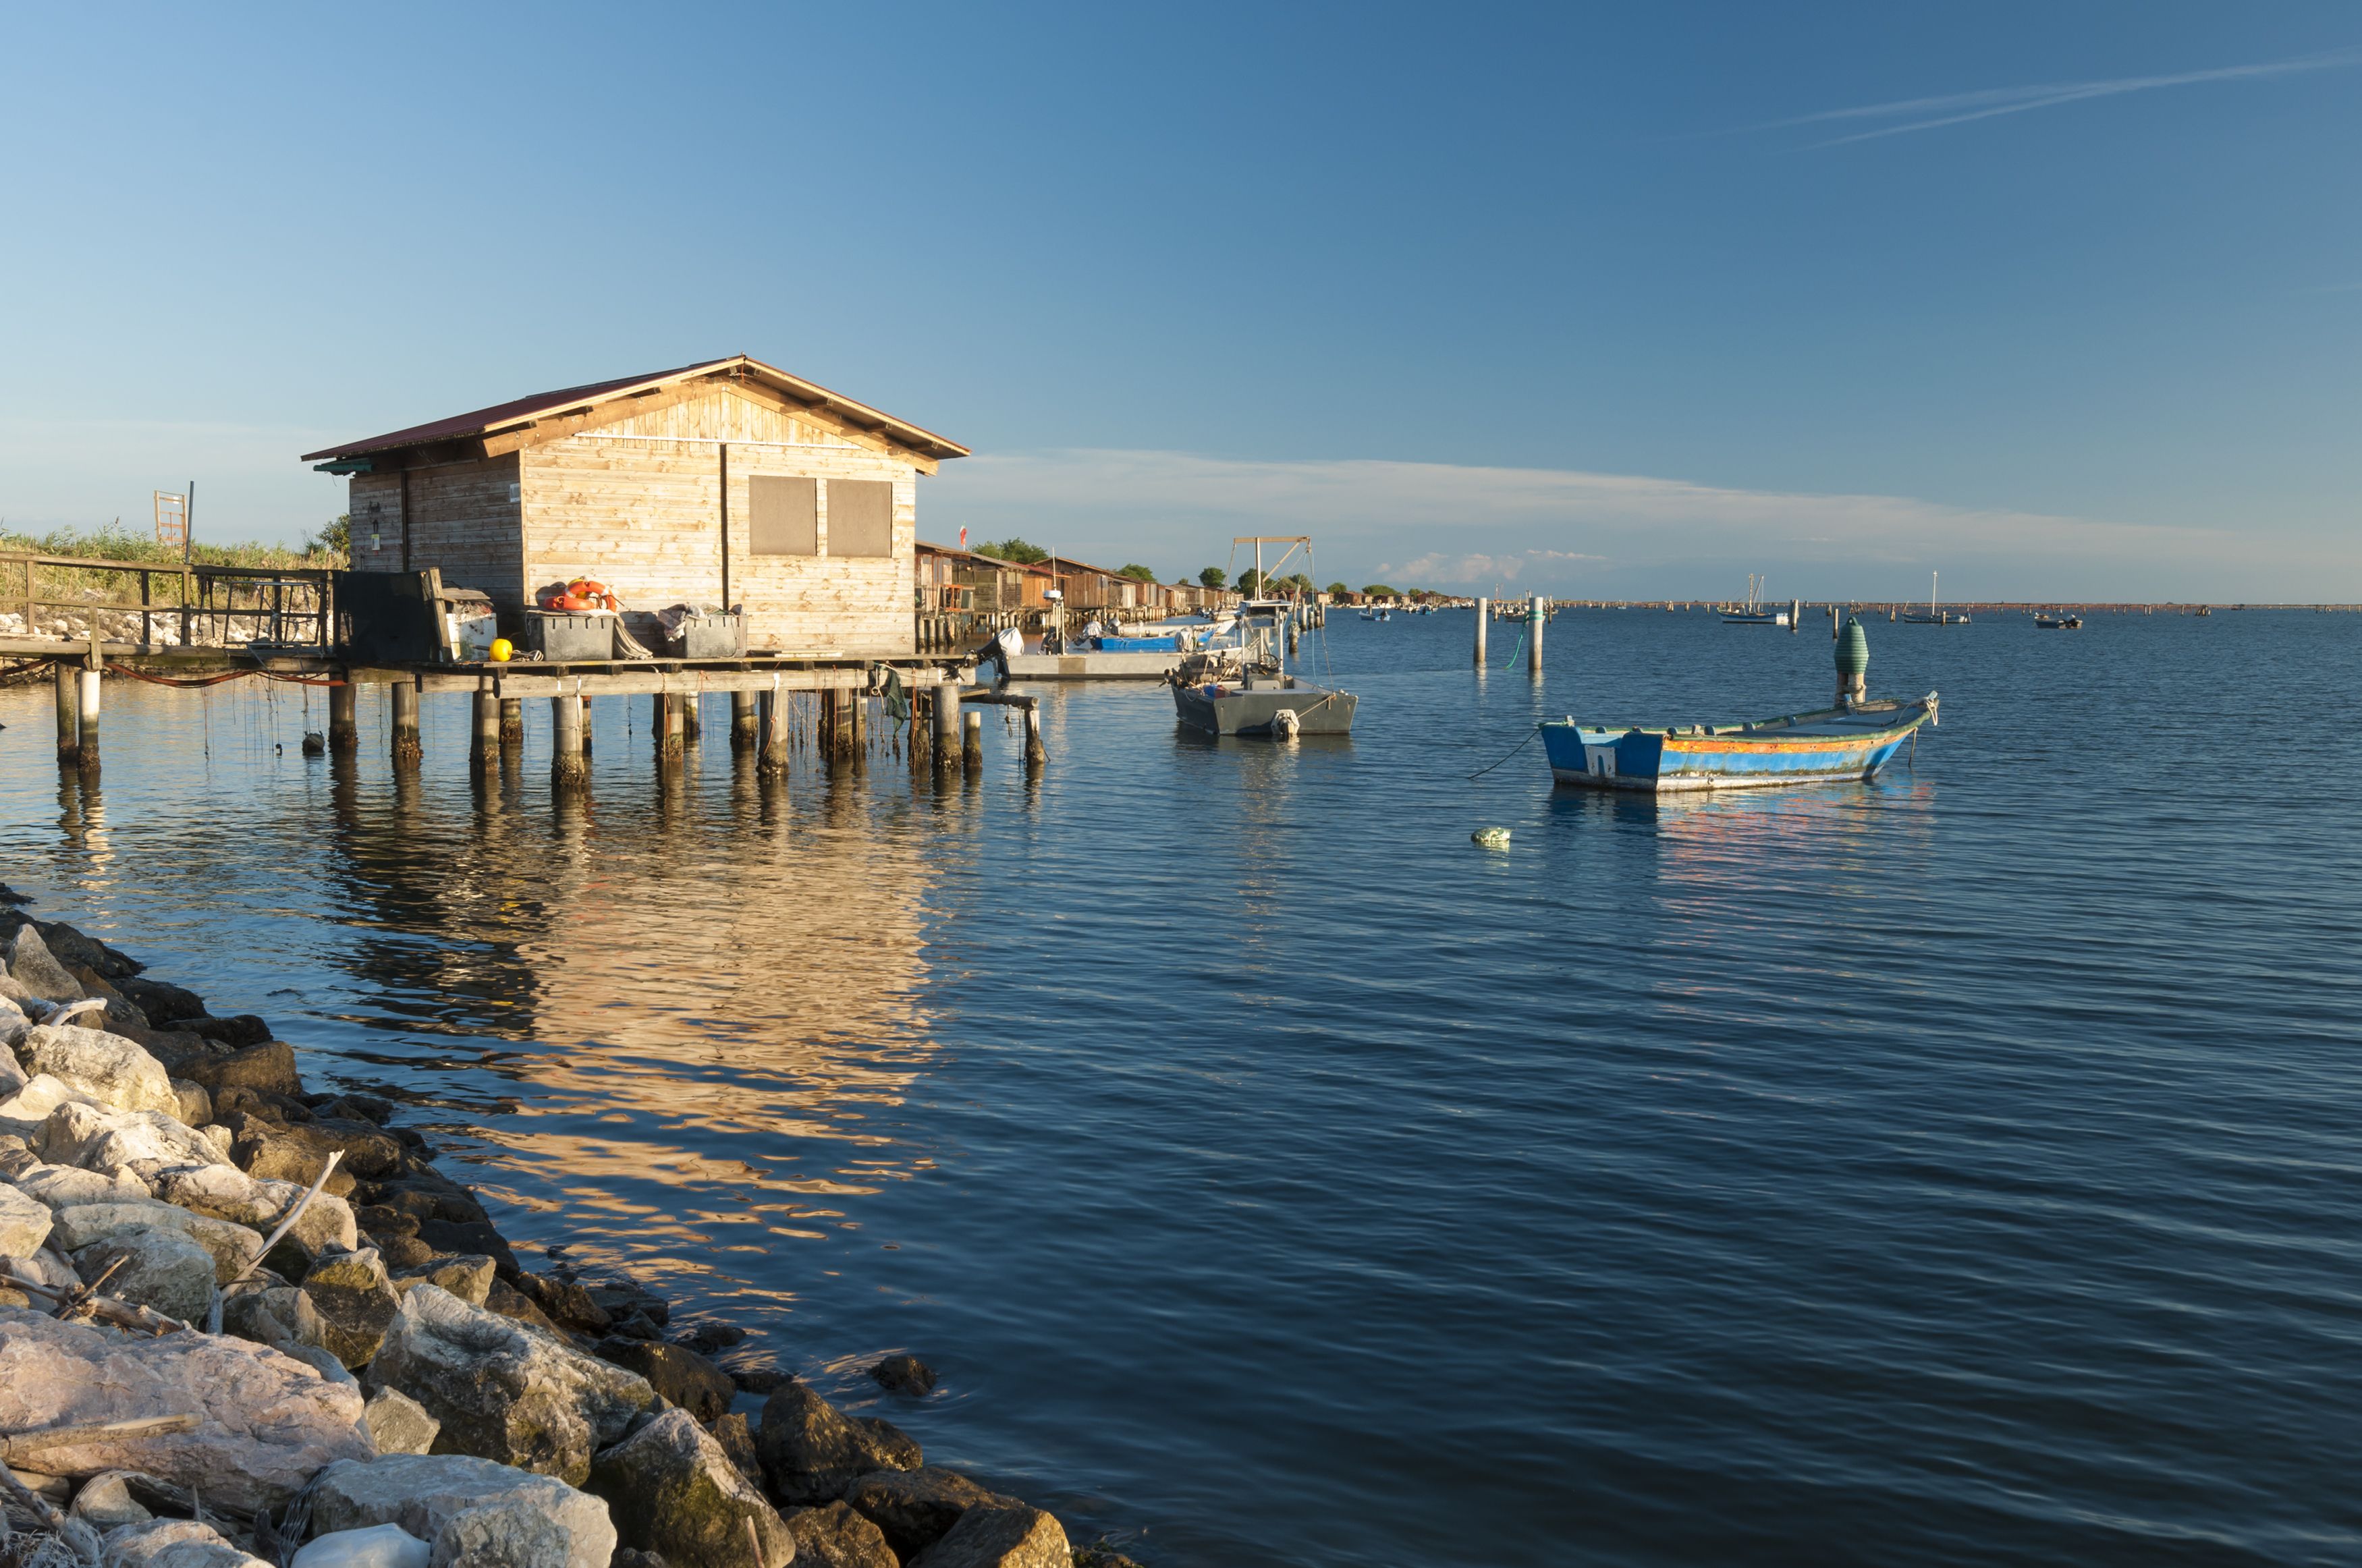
<point x="1959" y="108"/>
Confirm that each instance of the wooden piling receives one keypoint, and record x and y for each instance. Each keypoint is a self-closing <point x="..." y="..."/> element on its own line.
<point x="665" y="720"/>
<point x="484" y="742"/>
<point x="344" y="716"/>
<point x="407" y="751"/>
<point x="566" y="768"/>
<point x="587" y="740"/>
<point x="512" y="723"/>
<point x="923" y="720"/>
<point x="69" y="682"/>
<point x="947" y="725"/>
<point x="692" y="716"/>
<point x="86" y="751"/>
<point x="972" y="742"/>
<point x="744" y="734"/>
<point x="771" y="720"/>
<point x="1534" y="636"/>
<point x="1483" y="615"/>
<point x="857" y="739"/>
<point x="1036" y="754"/>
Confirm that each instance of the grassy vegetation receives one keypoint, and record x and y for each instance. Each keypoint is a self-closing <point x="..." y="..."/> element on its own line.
<point x="113" y="542"/>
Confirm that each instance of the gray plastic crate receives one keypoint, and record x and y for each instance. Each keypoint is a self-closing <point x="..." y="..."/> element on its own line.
<point x="710" y="636"/>
<point x="561" y="637"/>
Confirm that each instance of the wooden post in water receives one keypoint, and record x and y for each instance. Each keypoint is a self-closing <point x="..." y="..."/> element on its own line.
<point x="972" y="742"/>
<point x="484" y="745"/>
<point x="86" y="751"/>
<point x="586" y="745"/>
<point x="567" y="769"/>
<point x="406" y="748"/>
<point x="512" y="723"/>
<point x="69" y="682"/>
<point x="771" y="715"/>
<point x="1484" y="613"/>
<point x="743" y="736"/>
<point x="922" y="718"/>
<point x="1534" y="636"/>
<point x="666" y="719"/>
<point x="692" y="715"/>
<point x="344" y="710"/>
<point x="858" y="738"/>
<point x="1795" y="615"/>
<point x="1036" y="754"/>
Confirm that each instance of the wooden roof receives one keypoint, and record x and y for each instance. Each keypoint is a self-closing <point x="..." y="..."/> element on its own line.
<point x="527" y="421"/>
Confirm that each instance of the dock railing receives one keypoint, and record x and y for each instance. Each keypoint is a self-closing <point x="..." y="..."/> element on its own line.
<point x="197" y="605"/>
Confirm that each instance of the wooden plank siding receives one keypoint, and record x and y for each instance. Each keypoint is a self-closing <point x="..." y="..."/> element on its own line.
<point x="460" y="517"/>
<point x="639" y="504"/>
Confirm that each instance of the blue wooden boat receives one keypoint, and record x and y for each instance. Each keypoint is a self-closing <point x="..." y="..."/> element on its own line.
<point x="1850" y="742"/>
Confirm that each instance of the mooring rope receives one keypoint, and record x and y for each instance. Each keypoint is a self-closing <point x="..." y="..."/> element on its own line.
<point x="1513" y="751"/>
<point x="194" y="683"/>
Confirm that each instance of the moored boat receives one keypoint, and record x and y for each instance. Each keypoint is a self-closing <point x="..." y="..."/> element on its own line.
<point x="1260" y="697"/>
<point x="1846" y="743"/>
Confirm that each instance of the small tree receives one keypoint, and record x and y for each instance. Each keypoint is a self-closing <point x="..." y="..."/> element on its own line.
<point x="334" y="538"/>
<point x="1378" y="590"/>
<point x="1137" y="571"/>
<point x="1302" y="584"/>
<point x="1213" y="577"/>
<point x="1250" y="580"/>
<point x="1338" y="590"/>
<point x="1014" y="549"/>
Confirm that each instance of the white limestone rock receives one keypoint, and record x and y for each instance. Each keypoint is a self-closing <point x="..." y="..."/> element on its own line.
<point x="265" y="1423"/>
<point x="400" y="1423"/>
<point x="227" y="1193"/>
<point x="161" y="1269"/>
<point x="175" y="1543"/>
<point x="63" y="1186"/>
<point x="233" y="1247"/>
<point x="25" y="1223"/>
<point x="145" y="1142"/>
<point x="110" y="1069"/>
<point x="378" y="1546"/>
<point x="473" y="1512"/>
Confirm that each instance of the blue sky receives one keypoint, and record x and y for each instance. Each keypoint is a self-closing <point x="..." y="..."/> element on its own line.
<point x="1630" y="300"/>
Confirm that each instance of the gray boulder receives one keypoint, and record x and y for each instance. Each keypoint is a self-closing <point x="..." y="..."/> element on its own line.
<point x="297" y="1152"/>
<point x="680" y="1375"/>
<point x="145" y="1142"/>
<point x="346" y="1306"/>
<point x="269" y="1067"/>
<point x="917" y="1508"/>
<point x="503" y="1390"/>
<point x="996" y="1536"/>
<point x="110" y="1069"/>
<point x="160" y="1268"/>
<point x="905" y="1374"/>
<point x="399" y="1423"/>
<point x="264" y="1423"/>
<point x="32" y="966"/>
<point x="175" y="1543"/>
<point x="811" y="1452"/>
<point x="833" y="1536"/>
<point x="671" y="1490"/>
<point x="473" y="1512"/>
<point x="105" y="1502"/>
<point x="25" y="1223"/>
<point x="23" y="1113"/>
<point x="63" y="1186"/>
<point x="378" y="1546"/>
<point x="469" y="1277"/>
<point x="232" y="1247"/>
<point x="196" y="1105"/>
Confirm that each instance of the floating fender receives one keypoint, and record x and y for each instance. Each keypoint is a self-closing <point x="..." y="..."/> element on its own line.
<point x="1490" y="838"/>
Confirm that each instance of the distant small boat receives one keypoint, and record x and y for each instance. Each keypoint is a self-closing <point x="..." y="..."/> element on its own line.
<point x="1935" y="617"/>
<point x="1753" y="613"/>
<point x="2057" y="622"/>
<point x="1835" y="743"/>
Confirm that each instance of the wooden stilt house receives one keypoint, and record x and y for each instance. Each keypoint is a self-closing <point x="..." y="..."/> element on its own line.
<point x="728" y="483"/>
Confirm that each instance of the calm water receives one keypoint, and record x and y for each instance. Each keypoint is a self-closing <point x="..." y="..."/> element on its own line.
<point x="1960" y="1168"/>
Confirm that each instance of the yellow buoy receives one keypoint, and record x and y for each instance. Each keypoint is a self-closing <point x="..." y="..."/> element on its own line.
<point x="503" y="650"/>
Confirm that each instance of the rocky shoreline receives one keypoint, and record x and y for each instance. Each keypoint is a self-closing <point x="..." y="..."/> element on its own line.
<point x="243" y="1323"/>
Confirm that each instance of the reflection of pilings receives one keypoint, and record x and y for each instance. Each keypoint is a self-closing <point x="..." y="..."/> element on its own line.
<point x="972" y="743"/>
<point x="744" y="735"/>
<point x="513" y="722"/>
<point x="566" y="766"/>
<point x="69" y="682"/>
<point x="406" y="748"/>
<point x="344" y="708"/>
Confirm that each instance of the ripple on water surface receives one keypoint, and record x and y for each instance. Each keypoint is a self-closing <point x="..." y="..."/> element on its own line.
<point x="1958" y="1169"/>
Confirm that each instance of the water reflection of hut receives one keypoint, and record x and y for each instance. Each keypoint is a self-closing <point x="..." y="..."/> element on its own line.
<point x="727" y="482"/>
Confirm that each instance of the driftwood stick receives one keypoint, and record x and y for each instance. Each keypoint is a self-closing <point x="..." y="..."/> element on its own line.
<point x="79" y="1538"/>
<point x="26" y="1447"/>
<point x="108" y="1308"/>
<point x="293" y="1215"/>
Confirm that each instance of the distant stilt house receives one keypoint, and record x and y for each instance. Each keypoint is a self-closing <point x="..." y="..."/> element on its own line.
<point x="728" y="482"/>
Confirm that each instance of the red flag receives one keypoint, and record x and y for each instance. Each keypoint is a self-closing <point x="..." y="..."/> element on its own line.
<point x="963" y="538"/>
